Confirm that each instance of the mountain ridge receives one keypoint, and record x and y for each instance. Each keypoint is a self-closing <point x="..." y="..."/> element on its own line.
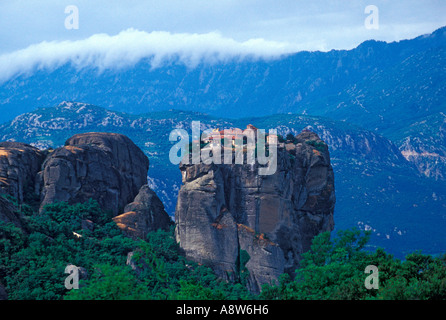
<point x="293" y="83"/>
<point x="382" y="87"/>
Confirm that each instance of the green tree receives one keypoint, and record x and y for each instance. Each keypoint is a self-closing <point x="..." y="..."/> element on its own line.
<point x="110" y="282"/>
<point x="334" y="269"/>
<point x="289" y="137"/>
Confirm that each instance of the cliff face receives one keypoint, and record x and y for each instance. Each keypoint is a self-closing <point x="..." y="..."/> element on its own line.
<point x="19" y="163"/>
<point x="8" y="213"/>
<point x="228" y="211"/>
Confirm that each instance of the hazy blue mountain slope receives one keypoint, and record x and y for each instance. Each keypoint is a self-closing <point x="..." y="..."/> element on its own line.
<point x="423" y="143"/>
<point x="376" y="187"/>
<point x="375" y="85"/>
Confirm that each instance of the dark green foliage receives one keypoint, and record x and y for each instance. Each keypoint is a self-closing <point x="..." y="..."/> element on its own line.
<point x="244" y="272"/>
<point x="111" y="282"/>
<point x="32" y="264"/>
<point x="334" y="269"/>
<point x="320" y="146"/>
<point x="168" y="275"/>
<point x="30" y="197"/>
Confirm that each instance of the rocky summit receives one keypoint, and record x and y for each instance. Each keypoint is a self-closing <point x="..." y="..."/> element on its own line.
<point x="250" y="227"/>
<point x="145" y="214"/>
<point x="106" y="167"/>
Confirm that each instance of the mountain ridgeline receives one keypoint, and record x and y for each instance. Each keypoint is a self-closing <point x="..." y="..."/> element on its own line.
<point x="376" y="85"/>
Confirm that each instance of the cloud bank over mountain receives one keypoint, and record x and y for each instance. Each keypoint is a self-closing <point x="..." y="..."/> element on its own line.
<point x="127" y="48"/>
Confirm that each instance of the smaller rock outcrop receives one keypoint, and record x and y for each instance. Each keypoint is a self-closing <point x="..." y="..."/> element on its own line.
<point x="106" y="167"/>
<point x="19" y="164"/>
<point x="145" y="214"/>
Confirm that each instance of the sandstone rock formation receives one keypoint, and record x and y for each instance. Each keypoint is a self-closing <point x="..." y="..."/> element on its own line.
<point x="106" y="167"/>
<point x="19" y="163"/>
<point x="145" y="214"/>
<point x="9" y="214"/>
<point x="226" y="209"/>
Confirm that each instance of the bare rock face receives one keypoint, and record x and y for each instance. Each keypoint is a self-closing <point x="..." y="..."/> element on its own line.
<point x="265" y="260"/>
<point x="9" y="214"/>
<point x="226" y="209"/>
<point x="19" y="164"/>
<point x="106" y="167"/>
<point x="145" y="214"/>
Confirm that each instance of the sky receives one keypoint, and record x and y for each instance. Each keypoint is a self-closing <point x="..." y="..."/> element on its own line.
<point x="311" y="25"/>
<point x="35" y="33"/>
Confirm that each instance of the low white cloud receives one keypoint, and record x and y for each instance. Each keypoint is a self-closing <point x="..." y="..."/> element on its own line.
<point x="103" y="51"/>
